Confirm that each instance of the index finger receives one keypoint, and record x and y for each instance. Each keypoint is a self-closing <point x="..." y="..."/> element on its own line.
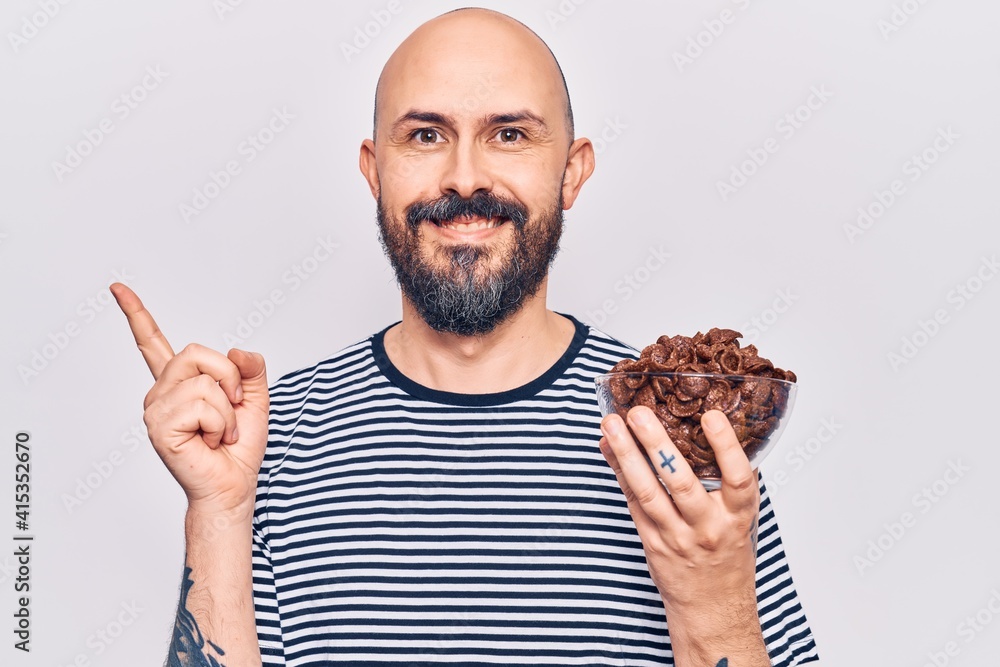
<point x="154" y="347"/>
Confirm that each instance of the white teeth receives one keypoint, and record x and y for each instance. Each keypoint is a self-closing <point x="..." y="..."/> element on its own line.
<point x="472" y="226"/>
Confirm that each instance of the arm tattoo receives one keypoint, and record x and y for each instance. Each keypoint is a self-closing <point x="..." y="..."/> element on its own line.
<point x="188" y="647"/>
<point x="723" y="663"/>
<point x="753" y="533"/>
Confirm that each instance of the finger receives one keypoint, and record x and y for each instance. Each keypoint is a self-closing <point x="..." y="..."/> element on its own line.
<point x="203" y="387"/>
<point x="253" y="372"/>
<point x="185" y="421"/>
<point x="685" y="488"/>
<point x="195" y="360"/>
<point x="154" y="347"/>
<point x="644" y="525"/>
<point x="739" y="482"/>
<point x="634" y="469"/>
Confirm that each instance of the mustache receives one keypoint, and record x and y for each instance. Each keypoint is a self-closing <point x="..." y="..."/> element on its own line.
<point x="480" y="205"/>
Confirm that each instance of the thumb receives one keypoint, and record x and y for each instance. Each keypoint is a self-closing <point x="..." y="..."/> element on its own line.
<point x="252" y="370"/>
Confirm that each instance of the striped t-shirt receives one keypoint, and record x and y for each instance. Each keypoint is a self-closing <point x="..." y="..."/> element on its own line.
<point x="402" y="525"/>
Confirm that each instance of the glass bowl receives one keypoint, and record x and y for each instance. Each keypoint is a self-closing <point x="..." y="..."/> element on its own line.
<point x="757" y="407"/>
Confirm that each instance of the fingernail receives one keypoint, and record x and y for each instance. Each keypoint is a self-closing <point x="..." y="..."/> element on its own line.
<point x="612" y="427"/>
<point x="236" y="434"/>
<point x="639" y="417"/>
<point x="714" y="422"/>
<point x="239" y="393"/>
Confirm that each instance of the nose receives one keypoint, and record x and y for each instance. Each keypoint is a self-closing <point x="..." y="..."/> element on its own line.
<point x="466" y="171"/>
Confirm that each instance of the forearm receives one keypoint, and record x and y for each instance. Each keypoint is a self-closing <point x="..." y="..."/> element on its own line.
<point x="726" y="635"/>
<point x="215" y="618"/>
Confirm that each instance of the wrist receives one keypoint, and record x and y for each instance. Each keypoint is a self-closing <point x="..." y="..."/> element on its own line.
<point x="202" y="521"/>
<point x="718" y="610"/>
<point x="697" y="597"/>
<point x="721" y="626"/>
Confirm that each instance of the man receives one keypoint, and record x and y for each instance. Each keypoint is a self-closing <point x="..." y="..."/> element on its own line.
<point x="434" y="493"/>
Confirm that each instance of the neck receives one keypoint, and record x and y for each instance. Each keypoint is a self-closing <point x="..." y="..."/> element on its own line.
<point x="519" y="350"/>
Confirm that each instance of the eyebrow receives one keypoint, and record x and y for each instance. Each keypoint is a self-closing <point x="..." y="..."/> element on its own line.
<point x="423" y="117"/>
<point x="517" y="117"/>
<point x="492" y="119"/>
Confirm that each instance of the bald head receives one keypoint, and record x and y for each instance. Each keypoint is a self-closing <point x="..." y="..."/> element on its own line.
<point x="473" y="46"/>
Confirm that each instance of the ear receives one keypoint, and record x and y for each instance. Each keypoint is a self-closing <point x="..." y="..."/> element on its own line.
<point x="369" y="169"/>
<point x="579" y="167"/>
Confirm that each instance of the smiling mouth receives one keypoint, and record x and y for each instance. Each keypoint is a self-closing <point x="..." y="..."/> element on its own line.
<point x="469" y="223"/>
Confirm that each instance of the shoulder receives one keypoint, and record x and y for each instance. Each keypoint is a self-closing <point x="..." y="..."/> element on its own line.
<point x="344" y="362"/>
<point x="600" y="350"/>
<point x="313" y="390"/>
<point x="341" y="373"/>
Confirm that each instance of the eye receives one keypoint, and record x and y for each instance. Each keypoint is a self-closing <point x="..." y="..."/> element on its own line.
<point x="426" y="136"/>
<point x="509" y="135"/>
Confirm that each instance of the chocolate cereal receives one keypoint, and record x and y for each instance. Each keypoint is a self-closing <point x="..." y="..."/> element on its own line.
<point x="727" y="378"/>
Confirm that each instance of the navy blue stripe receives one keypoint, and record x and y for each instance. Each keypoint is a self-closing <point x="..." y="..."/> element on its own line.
<point x="438" y="514"/>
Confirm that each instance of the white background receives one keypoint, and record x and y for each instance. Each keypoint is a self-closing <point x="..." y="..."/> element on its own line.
<point x="671" y="133"/>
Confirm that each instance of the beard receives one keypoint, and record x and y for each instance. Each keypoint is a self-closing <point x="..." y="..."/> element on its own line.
<point x="469" y="288"/>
